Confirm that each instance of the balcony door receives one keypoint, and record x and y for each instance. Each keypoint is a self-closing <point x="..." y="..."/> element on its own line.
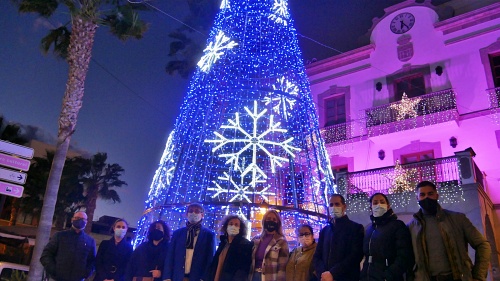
<point x="335" y="110"/>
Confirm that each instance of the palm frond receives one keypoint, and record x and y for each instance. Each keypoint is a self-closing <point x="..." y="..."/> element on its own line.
<point x="59" y="38"/>
<point x="45" y="8"/>
<point x="124" y="22"/>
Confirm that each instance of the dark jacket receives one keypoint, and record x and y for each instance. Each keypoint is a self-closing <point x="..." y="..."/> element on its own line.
<point x="69" y="255"/>
<point x="457" y="232"/>
<point x="111" y="260"/>
<point x="340" y="250"/>
<point x="145" y="258"/>
<point x="238" y="260"/>
<point x="388" y="250"/>
<point x="202" y="257"/>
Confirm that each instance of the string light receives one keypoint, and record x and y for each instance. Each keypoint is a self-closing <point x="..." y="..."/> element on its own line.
<point x="247" y="137"/>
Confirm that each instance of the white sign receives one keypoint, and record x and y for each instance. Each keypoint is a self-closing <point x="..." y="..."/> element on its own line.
<point x="16" y="149"/>
<point x="12" y="176"/>
<point x="11" y="189"/>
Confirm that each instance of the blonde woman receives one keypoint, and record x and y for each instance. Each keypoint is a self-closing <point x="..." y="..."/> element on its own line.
<point x="270" y="251"/>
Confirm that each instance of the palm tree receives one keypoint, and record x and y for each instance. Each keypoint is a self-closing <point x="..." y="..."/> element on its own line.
<point x="70" y="195"/>
<point x="75" y="46"/>
<point x="98" y="179"/>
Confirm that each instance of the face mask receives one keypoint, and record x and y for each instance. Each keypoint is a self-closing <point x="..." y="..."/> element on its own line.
<point x="79" y="224"/>
<point x="336" y="212"/>
<point x="306" y="241"/>
<point x="233" y="230"/>
<point x="156" y="235"/>
<point x="120" y="232"/>
<point x="271" y="226"/>
<point x="194" y="217"/>
<point x="379" y="210"/>
<point x="429" y="206"/>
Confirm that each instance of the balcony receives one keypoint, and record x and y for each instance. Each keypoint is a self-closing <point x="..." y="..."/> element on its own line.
<point x="449" y="173"/>
<point x="494" y="95"/>
<point x="433" y="108"/>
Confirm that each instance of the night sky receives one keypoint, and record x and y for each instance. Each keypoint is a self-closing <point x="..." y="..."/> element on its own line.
<point x="131" y="103"/>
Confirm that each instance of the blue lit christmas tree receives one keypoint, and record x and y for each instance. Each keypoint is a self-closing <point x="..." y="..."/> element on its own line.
<point x="247" y="136"/>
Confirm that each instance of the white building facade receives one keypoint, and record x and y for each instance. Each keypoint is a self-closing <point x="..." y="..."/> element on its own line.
<point x="420" y="102"/>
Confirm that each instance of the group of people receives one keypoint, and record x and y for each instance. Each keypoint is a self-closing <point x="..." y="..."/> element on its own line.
<point x="432" y="247"/>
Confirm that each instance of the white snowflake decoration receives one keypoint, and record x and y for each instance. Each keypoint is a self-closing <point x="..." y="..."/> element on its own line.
<point x="240" y="192"/>
<point x="254" y="142"/>
<point x="224" y="4"/>
<point x="163" y="175"/>
<point x="280" y="12"/>
<point x="285" y="100"/>
<point x="215" y="50"/>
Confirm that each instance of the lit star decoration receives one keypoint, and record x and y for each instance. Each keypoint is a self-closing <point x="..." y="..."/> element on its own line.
<point x="401" y="179"/>
<point x="280" y="11"/>
<point x="215" y="50"/>
<point x="284" y="97"/>
<point x="406" y="107"/>
<point x="254" y="141"/>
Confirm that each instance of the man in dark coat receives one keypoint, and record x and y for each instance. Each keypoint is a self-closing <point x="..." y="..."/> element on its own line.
<point x="340" y="245"/>
<point x="191" y="249"/>
<point x="440" y="241"/>
<point x="70" y="254"/>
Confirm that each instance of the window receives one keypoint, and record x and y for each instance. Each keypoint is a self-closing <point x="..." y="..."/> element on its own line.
<point x="495" y="68"/>
<point x="417" y="157"/>
<point x="413" y="86"/>
<point x="335" y="111"/>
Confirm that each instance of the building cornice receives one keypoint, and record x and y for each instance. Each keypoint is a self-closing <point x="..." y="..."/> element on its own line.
<point x="337" y="61"/>
<point x="469" y="19"/>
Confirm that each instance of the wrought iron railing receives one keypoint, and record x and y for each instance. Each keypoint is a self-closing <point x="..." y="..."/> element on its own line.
<point x="388" y="180"/>
<point x="427" y="104"/>
<point x="336" y="133"/>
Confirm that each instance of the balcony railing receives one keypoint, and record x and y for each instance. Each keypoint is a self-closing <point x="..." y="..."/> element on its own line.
<point x="390" y="180"/>
<point x="432" y="103"/>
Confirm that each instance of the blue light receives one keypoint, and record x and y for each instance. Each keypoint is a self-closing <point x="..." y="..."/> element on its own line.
<point x="248" y="119"/>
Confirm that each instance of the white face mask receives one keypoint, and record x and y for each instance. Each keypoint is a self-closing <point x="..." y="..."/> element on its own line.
<point x="379" y="210"/>
<point x="233" y="230"/>
<point x="120" y="232"/>
<point x="306" y="241"/>
<point x="336" y="212"/>
<point x="194" y="217"/>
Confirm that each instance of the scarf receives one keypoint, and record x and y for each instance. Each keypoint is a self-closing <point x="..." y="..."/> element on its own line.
<point x="192" y="229"/>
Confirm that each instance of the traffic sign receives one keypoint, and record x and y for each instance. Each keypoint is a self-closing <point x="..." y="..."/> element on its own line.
<point x="11" y="189"/>
<point x="16" y="149"/>
<point x="12" y="176"/>
<point x="14" y="162"/>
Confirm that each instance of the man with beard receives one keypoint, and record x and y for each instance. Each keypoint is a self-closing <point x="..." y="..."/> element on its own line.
<point x="70" y="254"/>
<point x="440" y="239"/>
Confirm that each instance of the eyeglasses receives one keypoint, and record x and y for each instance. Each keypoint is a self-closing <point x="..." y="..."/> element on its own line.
<point x="307" y="234"/>
<point x="79" y="218"/>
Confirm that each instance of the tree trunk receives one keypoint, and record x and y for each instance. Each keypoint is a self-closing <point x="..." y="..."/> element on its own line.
<point x="79" y="54"/>
<point x="14" y="211"/>
<point x="91" y="204"/>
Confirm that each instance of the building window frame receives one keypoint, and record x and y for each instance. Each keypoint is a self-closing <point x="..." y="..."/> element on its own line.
<point x="485" y="54"/>
<point x="407" y="72"/>
<point x="333" y="92"/>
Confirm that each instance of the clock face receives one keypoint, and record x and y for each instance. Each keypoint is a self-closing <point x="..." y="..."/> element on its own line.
<point x="402" y="23"/>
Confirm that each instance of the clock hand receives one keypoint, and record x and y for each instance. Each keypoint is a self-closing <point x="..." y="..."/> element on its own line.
<point x="403" y="25"/>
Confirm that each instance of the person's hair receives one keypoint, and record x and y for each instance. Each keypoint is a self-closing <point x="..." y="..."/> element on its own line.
<point x="196" y="205"/>
<point x="225" y="223"/>
<point x="280" y="225"/>
<point x="342" y="199"/>
<point x="308" y="227"/>
<point x="117" y="221"/>
<point x="166" y="230"/>
<point x="425" y="183"/>
<point x="378" y="193"/>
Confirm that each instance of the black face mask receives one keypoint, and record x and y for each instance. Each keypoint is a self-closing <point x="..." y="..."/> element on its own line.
<point x="271" y="226"/>
<point x="429" y="206"/>
<point x="79" y="224"/>
<point x="156" y="235"/>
